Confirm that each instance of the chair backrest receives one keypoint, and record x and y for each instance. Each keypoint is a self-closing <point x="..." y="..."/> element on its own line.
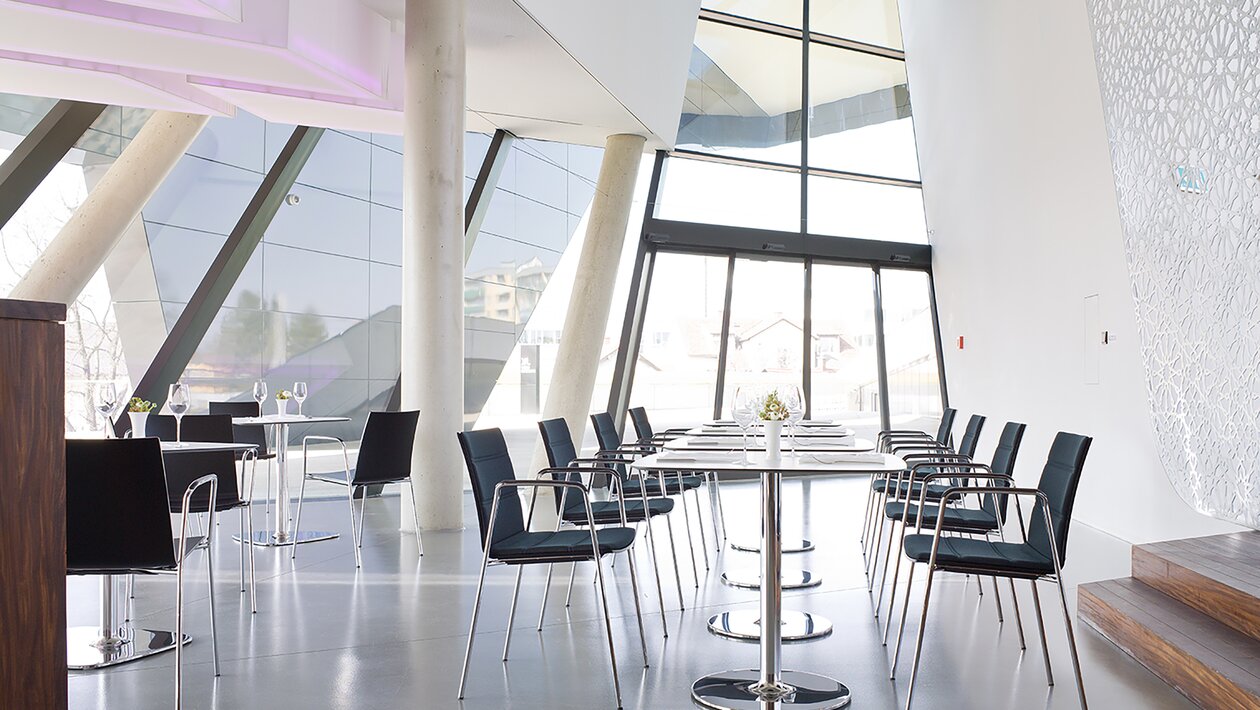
<point x="117" y="517"/>
<point x="947" y="425"/>
<point x="558" y="443"/>
<point x="255" y="434"/>
<point x="971" y="436"/>
<point x="1003" y="462"/>
<point x="186" y="467"/>
<point x="1059" y="480"/>
<point x="642" y="427"/>
<point x="385" y="451"/>
<point x="486" y="455"/>
<point x="605" y="431"/>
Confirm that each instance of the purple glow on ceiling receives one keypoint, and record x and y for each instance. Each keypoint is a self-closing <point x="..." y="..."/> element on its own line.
<point x="377" y="103"/>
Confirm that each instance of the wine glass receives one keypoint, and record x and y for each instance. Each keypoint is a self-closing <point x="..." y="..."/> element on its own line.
<point x="299" y="393"/>
<point x="742" y="412"/>
<point x="795" y="403"/>
<point x="106" y="401"/>
<point x="177" y="400"/>
<point x="260" y="395"/>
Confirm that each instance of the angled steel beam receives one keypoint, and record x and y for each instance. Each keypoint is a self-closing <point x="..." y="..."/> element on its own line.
<point x="724" y="344"/>
<point x="881" y="351"/>
<point x="936" y="331"/>
<point x="41" y="150"/>
<point x="475" y="210"/>
<point x="184" y="337"/>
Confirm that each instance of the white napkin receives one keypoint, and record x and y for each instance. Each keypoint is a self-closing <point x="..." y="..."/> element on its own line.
<point x="848" y="457"/>
<point x="699" y="441"/>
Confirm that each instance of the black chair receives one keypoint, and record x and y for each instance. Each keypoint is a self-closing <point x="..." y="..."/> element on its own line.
<point x="1039" y="557"/>
<point x="561" y="454"/>
<point x="506" y="538"/>
<point x="885" y="484"/>
<point x="648" y="436"/>
<point x="118" y="522"/>
<point x="985" y="520"/>
<point x="664" y="483"/>
<point x="253" y="434"/>
<point x="384" y="457"/>
<point x="942" y="432"/>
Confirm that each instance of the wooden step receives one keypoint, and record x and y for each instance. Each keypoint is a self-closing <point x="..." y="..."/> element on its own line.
<point x="1207" y="661"/>
<point x="1217" y="575"/>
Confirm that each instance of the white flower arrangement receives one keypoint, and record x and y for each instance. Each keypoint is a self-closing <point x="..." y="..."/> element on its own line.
<point x="772" y="408"/>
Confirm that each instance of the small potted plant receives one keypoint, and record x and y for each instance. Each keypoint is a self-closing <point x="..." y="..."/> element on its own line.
<point x="138" y="411"/>
<point x="282" y="401"/>
<point x="773" y="413"/>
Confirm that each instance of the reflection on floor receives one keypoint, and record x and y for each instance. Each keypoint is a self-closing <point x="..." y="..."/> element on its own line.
<point x="392" y="635"/>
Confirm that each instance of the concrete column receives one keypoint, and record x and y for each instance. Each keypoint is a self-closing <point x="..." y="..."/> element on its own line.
<point x="433" y="256"/>
<point x="80" y="248"/>
<point x="577" y="359"/>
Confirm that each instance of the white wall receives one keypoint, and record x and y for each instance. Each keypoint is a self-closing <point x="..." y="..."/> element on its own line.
<point x="1021" y="203"/>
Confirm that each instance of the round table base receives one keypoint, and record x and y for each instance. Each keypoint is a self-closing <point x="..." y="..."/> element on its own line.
<point x="83" y="652"/>
<point x="789" y="546"/>
<point x="742" y="690"/>
<point x="792" y="579"/>
<point x="745" y="625"/>
<point x="267" y="538"/>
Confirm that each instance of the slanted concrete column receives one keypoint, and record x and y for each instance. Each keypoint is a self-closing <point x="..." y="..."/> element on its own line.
<point x="577" y="358"/>
<point x="433" y="256"/>
<point x="80" y="248"/>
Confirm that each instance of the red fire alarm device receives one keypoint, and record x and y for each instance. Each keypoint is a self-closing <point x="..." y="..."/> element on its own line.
<point x="960" y="342"/>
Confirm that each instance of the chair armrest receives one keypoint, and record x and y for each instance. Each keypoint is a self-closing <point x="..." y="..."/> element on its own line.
<point x="983" y="476"/>
<point x="345" y="455"/>
<point x="570" y="470"/>
<point x="211" y="480"/>
<point x="1043" y="502"/>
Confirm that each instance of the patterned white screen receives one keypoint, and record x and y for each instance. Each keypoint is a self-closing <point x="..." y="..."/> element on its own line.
<point x="1181" y="92"/>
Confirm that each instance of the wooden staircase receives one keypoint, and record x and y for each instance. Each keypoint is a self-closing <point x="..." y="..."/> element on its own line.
<point x="1191" y="614"/>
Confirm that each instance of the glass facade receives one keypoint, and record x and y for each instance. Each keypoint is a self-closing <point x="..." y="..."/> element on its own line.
<point x="914" y="385"/>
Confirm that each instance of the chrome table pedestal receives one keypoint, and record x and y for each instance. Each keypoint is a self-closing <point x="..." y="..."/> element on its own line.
<point x="111" y="642"/>
<point x="745" y="625"/>
<point x="770" y="687"/>
<point x="789" y="546"/>
<point x="791" y="579"/>
<point x="283" y="533"/>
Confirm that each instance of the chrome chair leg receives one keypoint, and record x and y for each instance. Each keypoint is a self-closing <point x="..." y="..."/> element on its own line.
<point x="362" y="510"/>
<point x="918" y="645"/>
<point x="638" y="611"/>
<point x="297" y="524"/>
<point x="1041" y="627"/>
<point x="704" y="542"/>
<point x="568" y="597"/>
<point x="415" y="514"/>
<point x="516" y="593"/>
<point x="1019" y="622"/>
<point x="1076" y="661"/>
<point x="901" y="625"/>
<point x="695" y="569"/>
<point x="214" y="632"/>
<point x="866" y="519"/>
<point x="179" y="633"/>
<point x="656" y="568"/>
<point x="253" y="577"/>
<point x="997" y="599"/>
<point x="874" y="562"/>
<point x="358" y="562"/>
<point x="892" y="532"/>
<point x="717" y="489"/>
<point x="472" y="629"/>
<point x="542" y="610"/>
<point x="612" y="653"/>
<point x="892" y="594"/>
<point x="669" y="526"/>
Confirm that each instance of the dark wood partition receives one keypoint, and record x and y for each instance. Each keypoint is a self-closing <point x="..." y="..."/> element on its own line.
<point x="32" y="505"/>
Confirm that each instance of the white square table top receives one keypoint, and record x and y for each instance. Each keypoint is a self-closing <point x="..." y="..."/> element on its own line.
<point x="804" y="443"/>
<point x="287" y="419"/>
<point x="756" y="462"/>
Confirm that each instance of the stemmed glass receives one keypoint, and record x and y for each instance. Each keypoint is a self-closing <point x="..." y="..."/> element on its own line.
<point x="177" y="400"/>
<point x="299" y="393"/>
<point x="795" y="403"/>
<point x="260" y="395"/>
<point x="106" y="401"/>
<point x="742" y="412"/>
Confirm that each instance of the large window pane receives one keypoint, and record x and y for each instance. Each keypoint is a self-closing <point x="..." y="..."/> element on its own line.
<point x="767" y="325"/>
<point x="859" y="119"/>
<point x="870" y="21"/>
<point x="676" y="372"/>
<point x="734" y="195"/>
<point x="743" y="95"/>
<point x="850" y="208"/>
<point x="843" y="362"/>
<point x="780" y="12"/>
<point x="914" y="388"/>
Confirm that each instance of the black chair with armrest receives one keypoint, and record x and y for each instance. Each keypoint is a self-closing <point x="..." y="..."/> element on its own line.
<point x="181" y="468"/>
<point x="562" y="454"/>
<point x="1038" y="557"/>
<point x="984" y="520"/>
<point x="506" y="538"/>
<point x="909" y="435"/>
<point x="118" y="522"/>
<point x="384" y="457"/>
<point x="664" y="483"/>
<point x="647" y="436"/>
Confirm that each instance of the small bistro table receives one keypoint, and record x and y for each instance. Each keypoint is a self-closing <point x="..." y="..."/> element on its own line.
<point x="115" y="640"/>
<point x="769" y="686"/>
<point x="283" y="534"/>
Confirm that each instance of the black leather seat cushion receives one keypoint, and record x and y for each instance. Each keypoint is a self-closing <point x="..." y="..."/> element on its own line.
<point x="934" y="491"/>
<point x="652" y="486"/>
<point x="566" y="544"/>
<point x="608" y="512"/>
<point x="956" y="519"/>
<point x="964" y="553"/>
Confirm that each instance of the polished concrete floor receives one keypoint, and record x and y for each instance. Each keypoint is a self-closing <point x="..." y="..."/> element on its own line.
<point x="392" y="634"/>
